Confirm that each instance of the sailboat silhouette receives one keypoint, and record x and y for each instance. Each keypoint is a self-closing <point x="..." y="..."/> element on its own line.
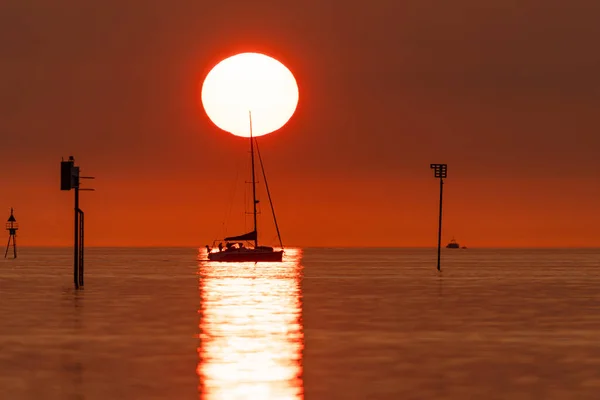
<point x="252" y="252"/>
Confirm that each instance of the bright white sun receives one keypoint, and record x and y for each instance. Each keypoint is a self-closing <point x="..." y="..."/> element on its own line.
<point x="250" y="82"/>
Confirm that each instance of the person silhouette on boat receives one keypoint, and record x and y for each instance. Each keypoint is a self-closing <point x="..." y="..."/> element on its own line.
<point x="208" y="249"/>
<point x="229" y="246"/>
<point x="220" y="246"/>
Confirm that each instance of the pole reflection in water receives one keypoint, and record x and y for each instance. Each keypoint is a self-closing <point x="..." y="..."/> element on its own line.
<point x="251" y="337"/>
<point x="71" y="357"/>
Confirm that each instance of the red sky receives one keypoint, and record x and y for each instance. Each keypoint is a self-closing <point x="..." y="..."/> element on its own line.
<point x="507" y="94"/>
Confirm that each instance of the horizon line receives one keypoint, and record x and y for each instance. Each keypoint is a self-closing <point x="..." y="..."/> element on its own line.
<point x="324" y="247"/>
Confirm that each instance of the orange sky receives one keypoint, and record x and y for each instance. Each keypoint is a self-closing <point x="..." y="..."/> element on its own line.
<point x="508" y="97"/>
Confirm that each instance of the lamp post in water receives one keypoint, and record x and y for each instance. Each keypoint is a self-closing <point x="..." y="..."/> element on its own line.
<point x="70" y="179"/>
<point x="441" y="171"/>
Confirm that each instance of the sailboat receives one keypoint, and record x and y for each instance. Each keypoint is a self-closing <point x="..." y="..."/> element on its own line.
<point x="245" y="247"/>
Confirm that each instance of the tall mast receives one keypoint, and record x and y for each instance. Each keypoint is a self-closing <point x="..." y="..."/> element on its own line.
<point x="253" y="182"/>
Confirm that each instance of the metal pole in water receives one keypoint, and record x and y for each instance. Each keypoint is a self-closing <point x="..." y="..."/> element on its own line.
<point x="70" y="179"/>
<point x="81" y="247"/>
<point x="440" y="224"/>
<point x="441" y="172"/>
<point x="76" y="241"/>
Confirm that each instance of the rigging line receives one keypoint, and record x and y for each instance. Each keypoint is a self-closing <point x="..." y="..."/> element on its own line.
<point x="262" y="167"/>
<point x="232" y="197"/>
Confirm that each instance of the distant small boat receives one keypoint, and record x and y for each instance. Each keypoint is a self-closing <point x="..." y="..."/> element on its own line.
<point x="452" y="245"/>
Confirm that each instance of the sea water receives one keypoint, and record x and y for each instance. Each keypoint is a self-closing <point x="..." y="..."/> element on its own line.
<point x="161" y="323"/>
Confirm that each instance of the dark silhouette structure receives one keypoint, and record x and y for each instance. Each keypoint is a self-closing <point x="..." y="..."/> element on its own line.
<point x="453" y="244"/>
<point x="12" y="227"/>
<point x="441" y="172"/>
<point x="239" y="253"/>
<point x="70" y="179"/>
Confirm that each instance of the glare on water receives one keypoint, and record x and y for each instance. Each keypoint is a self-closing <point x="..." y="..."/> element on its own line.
<point x="251" y="337"/>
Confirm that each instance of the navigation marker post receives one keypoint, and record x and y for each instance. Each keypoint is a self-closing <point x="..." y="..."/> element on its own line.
<point x="441" y="172"/>
<point x="70" y="179"/>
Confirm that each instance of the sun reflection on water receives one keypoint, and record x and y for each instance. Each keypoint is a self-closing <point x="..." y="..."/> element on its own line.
<point x="251" y="337"/>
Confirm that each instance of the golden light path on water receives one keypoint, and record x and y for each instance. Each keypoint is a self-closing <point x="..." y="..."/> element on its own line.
<point x="251" y="336"/>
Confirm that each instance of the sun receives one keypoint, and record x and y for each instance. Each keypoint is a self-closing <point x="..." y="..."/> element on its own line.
<point x="250" y="82"/>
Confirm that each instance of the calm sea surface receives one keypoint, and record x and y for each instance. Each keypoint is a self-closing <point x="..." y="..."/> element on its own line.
<point x="326" y="324"/>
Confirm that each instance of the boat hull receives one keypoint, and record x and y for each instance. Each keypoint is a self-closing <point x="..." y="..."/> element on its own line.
<point x="246" y="256"/>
